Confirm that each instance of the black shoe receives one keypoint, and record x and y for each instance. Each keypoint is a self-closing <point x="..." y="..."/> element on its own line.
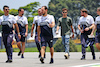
<point x="42" y="60"/>
<point x="83" y="57"/>
<point x="51" y="61"/>
<point x="9" y="61"/>
<point x="22" y="56"/>
<point x="19" y="53"/>
<point x="44" y="55"/>
<point x="94" y="58"/>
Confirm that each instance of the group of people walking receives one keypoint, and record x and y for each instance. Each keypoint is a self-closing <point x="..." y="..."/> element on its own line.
<point x="43" y="32"/>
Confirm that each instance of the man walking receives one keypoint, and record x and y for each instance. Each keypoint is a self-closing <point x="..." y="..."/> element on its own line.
<point x="45" y="25"/>
<point x="35" y="22"/>
<point x="66" y="24"/>
<point x="23" y="28"/>
<point x="7" y="22"/>
<point x="86" y="23"/>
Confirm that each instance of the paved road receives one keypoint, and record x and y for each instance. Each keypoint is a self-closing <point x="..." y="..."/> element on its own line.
<point x="31" y="60"/>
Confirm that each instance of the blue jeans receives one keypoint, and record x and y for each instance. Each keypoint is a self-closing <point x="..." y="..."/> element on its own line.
<point x="65" y="42"/>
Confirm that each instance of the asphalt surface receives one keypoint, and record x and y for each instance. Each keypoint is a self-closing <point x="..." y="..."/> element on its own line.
<point x="31" y="60"/>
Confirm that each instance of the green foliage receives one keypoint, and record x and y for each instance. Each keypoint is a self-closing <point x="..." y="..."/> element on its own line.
<point x="1" y="12"/>
<point x="59" y="47"/>
<point x="30" y="20"/>
<point x="13" y="12"/>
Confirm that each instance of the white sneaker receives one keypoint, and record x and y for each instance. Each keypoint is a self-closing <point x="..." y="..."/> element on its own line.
<point x="66" y="56"/>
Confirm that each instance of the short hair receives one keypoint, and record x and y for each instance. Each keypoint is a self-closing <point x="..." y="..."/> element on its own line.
<point x="5" y="6"/>
<point x="45" y="7"/>
<point x="98" y="8"/>
<point x="20" y="9"/>
<point x="84" y="10"/>
<point x="64" y="9"/>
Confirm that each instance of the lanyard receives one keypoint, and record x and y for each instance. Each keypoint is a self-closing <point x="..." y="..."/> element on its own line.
<point x="4" y="18"/>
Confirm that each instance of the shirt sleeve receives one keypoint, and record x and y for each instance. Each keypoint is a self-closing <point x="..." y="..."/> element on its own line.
<point x="59" y="22"/>
<point x="70" y="20"/>
<point x="26" y="21"/>
<point x="14" y="20"/>
<point x="96" y="21"/>
<point x="34" y="20"/>
<point x="92" y="20"/>
<point x="52" y="19"/>
<point x="39" y="21"/>
<point x="79" y="23"/>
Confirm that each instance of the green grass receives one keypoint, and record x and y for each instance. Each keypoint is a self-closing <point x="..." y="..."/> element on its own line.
<point x="33" y="49"/>
<point x="87" y="49"/>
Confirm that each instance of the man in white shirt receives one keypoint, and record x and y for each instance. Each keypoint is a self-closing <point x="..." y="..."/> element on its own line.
<point x="7" y="22"/>
<point x="97" y="26"/>
<point x="86" y="23"/>
<point x="45" y="25"/>
<point x="35" y="23"/>
<point x="23" y="28"/>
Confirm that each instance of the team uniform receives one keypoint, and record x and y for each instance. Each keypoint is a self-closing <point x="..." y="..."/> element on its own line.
<point x="21" y="21"/>
<point x="7" y="34"/>
<point x="97" y="37"/>
<point x="35" y="21"/>
<point x="86" y="22"/>
<point x="65" y="24"/>
<point x="46" y="31"/>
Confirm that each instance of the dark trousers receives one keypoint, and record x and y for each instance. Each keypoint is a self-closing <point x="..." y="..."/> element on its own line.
<point x="83" y="42"/>
<point x="37" y="43"/>
<point x="7" y="40"/>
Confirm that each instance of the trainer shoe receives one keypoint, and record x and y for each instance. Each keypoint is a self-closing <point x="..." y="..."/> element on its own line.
<point x="19" y="53"/>
<point x="9" y="61"/>
<point x="22" y="56"/>
<point x="83" y="57"/>
<point x="42" y="60"/>
<point x="51" y="61"/>
<point x="66" y="56"/>
<point x="94" y="58"/>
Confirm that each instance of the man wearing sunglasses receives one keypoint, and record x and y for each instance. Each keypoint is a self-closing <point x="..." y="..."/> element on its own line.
<point x="7" y="22"/>
<point x="23" y="28"/>
<point x="85" y="25"/>
<point x="66" y="24"/>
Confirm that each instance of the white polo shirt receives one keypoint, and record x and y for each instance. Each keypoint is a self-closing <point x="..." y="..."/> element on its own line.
<point x="9" y="18"/>
<point x="23" y="19"/>
<point x="89" y="19"/>
<point x="48" y="18"/>
<point x="36" y="18"/>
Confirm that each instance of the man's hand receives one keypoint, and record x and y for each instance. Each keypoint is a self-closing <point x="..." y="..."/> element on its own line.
<point x="19" y="36"/>
<point x="56" y="32"/>
<point x="81" y="31"/>
<point x="26" y="34"/>
<point x="39" y="38"/>
<point x="31" y="34"/>
<point x="86" y="29"/>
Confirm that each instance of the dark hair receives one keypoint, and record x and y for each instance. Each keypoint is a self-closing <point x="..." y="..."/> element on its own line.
<point x="5" y="6"/>
<point x="45" y="7"/>
<point x="98" y="8"/>
<point x="84" y="10"/>
<point x="64" y="9"/>
<point x="19" y="9"/>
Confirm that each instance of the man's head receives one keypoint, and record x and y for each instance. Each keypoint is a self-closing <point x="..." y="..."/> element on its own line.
<point x="44" y="10"/>
<point x="6" y="9"/>
<point x="39" y="11"/>
<point x="64" y="11"/>
<point x="84" y="12"/>
<point x="98" y="11"/>
<point x="21" y="11"/>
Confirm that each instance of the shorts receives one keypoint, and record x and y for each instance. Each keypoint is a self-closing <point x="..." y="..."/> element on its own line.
<point x="47" y="40"/>
<point x="22" y="38"/>
<point x="97" y="39"/>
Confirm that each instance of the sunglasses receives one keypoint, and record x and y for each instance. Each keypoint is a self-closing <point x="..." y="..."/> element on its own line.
<point x="7" y="9"/>
<point x="64" y="12"/>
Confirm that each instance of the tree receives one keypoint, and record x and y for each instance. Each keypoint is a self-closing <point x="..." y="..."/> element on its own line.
<point x="74" y="7"/>
<point x="13" y="12"/>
